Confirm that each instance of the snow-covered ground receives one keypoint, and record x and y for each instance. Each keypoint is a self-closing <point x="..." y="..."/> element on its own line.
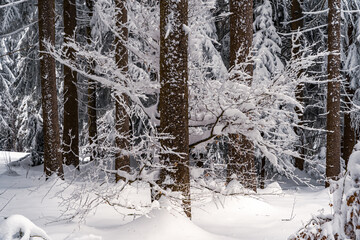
<point x="271" y="214"/>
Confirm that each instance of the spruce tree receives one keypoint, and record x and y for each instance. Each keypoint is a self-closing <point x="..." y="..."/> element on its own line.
<point x="296" y="25"/>
<point x="173" y="105"/>
<point x="122" y="120"/>
<point x="241" y="153"/>
<point x="52" y="157"/>
<point x="92" y="116"/>
<point x="71" y="117"/>
<point x="333" y="96"/>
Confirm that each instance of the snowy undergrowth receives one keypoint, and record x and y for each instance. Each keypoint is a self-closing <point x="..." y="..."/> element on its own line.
<point x="273" y="213"/>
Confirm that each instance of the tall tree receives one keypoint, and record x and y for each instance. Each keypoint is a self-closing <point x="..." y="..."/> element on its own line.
<point x="122" y="120"/>
<point x="297" y="24"/>
<point x="52" y="157"/>
<point x="173" y="105"/>
<point x="333" y="97"/>
<point x="71" y="115"/>
<point x="93" y="135"/>
<point x="241" y="152"/>
<point x="349" y="139"/>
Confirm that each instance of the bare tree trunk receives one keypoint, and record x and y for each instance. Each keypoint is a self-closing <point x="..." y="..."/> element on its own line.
<point x="122" y="125"/>
<point x="71" y="115"/>
<point x="241" y="152"/>
<point x="296" y="25"/>
<point x="93" y="136"/>
<point x="173" y="104"/>
<point x="349" y="139"/>
<point x="333" y="98"/>
<point x="52" y="157"/>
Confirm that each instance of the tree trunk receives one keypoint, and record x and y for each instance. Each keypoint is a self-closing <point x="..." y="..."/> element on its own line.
<point x="122" y="125"/>
<point x="52" y="157"/>
<point x="173" y="104"/>
<point x="93" y="136"/>
<point x="262" y="173"/>
<point x="333" y="98"/>
<point x="241" y="152"/>
<point x="349" y="140"/>
<point x="296" y="25"/>
<point x="71" y="115"/>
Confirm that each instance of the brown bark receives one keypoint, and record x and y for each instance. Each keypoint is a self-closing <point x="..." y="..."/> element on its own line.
<point x="173" y="104"/>
<point x="241" y="152"/>
<point x="349" y="139"/>
<point x="71" y="115"/>
<point x="122" y="125"/>
<point x="333" y="98"/>
<point x="296" y="25"/>
<point x="93" y="136"/>
<point x="52" y="157"/>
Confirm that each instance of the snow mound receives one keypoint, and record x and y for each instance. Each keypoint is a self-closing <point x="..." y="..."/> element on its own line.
<point x="272" y="188"/>
<point x="234" y="187"/>
<point x="19" y="227"/>
<point x="164" y="225"/>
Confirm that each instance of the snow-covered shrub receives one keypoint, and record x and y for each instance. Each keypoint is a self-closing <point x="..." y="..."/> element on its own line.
<point x="19" y="227"/>
<point x="345" y="222"/>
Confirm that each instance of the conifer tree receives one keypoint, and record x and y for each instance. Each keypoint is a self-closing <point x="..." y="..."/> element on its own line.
<point x="241" y="152"/>
<point x="122" y="120"/>
<point x="333" y="96"/>
<point x="173" y="105"/>
<point x="349" y="138"/>
<point x="296" y="25"/>
<point x="92" y="116"/>
<point x="52" y="157"/>
<point x="71" y="117"/>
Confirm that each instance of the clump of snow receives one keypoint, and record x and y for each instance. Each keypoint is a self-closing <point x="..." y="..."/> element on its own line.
<point x="19" y="227"/>
<point x="354" y="165"/>
<point x="234" y="187"/>
<point x="357" y="146"/>
<point x="272" y="188"/>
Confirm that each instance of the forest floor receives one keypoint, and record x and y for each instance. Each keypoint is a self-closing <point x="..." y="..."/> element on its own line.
<point x="273" y="214"/>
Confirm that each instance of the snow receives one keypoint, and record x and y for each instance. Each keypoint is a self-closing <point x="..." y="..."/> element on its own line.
<point x="20" y="226"/>
<point x="275" y="212"/>
<point x="7" y="157"/>
<point x="354" y="164"/>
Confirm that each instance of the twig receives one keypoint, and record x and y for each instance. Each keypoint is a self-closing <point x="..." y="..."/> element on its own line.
<point x="7" y="202"/>
<point x="292" y="216"/>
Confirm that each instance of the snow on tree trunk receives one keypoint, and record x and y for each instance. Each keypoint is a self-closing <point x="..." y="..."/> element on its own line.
<point x="71" y="117"/>
<point x="241" y="152"/>
<point x="52" y="157"/>
<point x="93" y="135"/>
<point x="173" y="105"/>
<point x="122" y="120"/>
<point x="296" y="25"/>
<point x="333" y="96"/>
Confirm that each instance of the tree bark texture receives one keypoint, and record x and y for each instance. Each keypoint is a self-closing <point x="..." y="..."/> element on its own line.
<point x="71" y="115"/>
<point x="296" y="25"/>
<point x="173" y="104"/>
<point x="349" y="139"/>
<point x="333" y="96"/>
<point x="93" y="136"/>
<point x="122" y="125"/>
<point x="52" y="156"/>
<point x="241" y="152"/>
